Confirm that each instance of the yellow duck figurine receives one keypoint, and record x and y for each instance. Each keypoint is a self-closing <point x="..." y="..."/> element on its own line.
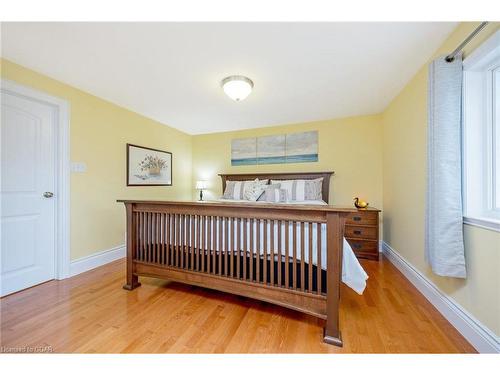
<point x="359" y="203"/>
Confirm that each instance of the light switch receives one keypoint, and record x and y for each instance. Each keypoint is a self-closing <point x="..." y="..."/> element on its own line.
<point x="78" y="167"/>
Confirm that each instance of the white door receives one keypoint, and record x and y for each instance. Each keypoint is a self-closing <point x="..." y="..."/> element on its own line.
<point x="27" y="182"/>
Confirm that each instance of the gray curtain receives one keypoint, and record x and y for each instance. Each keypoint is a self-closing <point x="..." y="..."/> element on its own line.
<point x="444" y="228"/>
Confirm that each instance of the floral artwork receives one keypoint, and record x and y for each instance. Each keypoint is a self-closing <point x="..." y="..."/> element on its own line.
<point x="153" y="165"/>
<point x="147" y="166"/>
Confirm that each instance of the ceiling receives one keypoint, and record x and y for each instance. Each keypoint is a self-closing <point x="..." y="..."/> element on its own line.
<point x="171" y="72"/>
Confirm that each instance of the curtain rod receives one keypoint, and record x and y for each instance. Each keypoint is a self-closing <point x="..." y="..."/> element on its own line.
<point x="461" y="46"/>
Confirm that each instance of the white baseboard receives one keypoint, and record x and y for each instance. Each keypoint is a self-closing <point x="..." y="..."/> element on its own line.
<point x="96" y="260"/>
<point x="479" y="336"/>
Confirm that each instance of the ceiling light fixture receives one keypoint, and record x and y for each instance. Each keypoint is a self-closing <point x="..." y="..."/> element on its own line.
<point x="237" y="87"/>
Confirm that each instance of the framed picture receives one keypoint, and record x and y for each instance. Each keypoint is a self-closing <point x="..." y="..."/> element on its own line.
<point x="148" y="166"/>
<point x="275" y="149"/>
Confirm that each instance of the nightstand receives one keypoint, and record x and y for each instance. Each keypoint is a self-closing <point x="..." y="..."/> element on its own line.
<point x="362" y="232"/>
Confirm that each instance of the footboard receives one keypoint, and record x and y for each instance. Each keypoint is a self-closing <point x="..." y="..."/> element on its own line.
<point x="290" y="256"/>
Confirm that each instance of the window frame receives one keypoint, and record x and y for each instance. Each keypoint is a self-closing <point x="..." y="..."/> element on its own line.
<point x="481" y="131"/>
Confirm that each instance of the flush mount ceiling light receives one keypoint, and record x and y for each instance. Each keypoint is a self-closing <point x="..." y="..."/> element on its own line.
<point x="237" y="87"/>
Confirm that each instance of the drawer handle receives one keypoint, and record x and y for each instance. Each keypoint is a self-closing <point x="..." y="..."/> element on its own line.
<point x="357" y="232"/>
<point x="357" y="218"/>
<point x="357" y="246"/>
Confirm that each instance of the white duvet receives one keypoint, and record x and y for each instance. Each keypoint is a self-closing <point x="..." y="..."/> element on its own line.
<point x="353" y="275"/>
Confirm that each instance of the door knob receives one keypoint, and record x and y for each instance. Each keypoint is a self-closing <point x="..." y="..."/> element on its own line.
<point x="48" y="194"/>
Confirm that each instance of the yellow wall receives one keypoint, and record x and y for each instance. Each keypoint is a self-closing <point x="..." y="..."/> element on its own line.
<point x="404" y="182"/>
<point x="351" y="147"/>
<point x="99" y="132"/>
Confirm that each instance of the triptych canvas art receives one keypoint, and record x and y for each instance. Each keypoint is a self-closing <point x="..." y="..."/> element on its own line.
<point x="275" y="149"/>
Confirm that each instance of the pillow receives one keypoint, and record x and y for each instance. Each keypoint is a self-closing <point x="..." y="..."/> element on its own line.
<point x="276" y="195"/>
<point x="266" y="188"/>
<point x="302" y="190"/>
<point x="254" y="190"/>
<point x="236" y="189"/>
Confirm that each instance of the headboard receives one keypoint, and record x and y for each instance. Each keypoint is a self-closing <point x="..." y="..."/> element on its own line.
<point x="282" y="176"/>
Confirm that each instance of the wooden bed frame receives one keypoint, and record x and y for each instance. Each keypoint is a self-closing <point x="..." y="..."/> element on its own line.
<point x="185" y="242"/>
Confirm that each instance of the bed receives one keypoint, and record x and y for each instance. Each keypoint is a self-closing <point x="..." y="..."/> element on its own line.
<point x="293" y="255"/>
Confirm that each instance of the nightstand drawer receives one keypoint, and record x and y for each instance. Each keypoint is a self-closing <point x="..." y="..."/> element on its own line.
<point x="366" y="233"/>
<point x="362" y="218"/>
<point x="364" y="249"/>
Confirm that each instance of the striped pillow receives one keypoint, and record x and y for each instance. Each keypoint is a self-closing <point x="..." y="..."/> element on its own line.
<point x="268" y="187"/>
<point x="302" y="190"/>
<point x="276" y="195"/>
<point x="236" y="189"/>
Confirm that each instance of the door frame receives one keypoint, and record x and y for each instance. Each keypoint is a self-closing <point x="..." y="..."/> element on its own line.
<point x="62" y="169"/>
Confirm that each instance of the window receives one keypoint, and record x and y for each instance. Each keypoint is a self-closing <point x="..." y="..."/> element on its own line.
<point x="481" y="140"/>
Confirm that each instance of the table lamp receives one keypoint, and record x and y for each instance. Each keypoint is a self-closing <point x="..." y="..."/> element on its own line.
<point x="201" y="185"/>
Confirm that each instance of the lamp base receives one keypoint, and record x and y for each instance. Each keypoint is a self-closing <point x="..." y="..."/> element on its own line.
<point x="201" y="195"/>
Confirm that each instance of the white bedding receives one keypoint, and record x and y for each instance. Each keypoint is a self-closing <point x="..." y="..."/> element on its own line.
<point x="353" y="275"/>
<point x="307" y="203"/>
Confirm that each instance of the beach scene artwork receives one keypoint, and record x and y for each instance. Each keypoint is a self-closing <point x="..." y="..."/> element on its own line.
<point x="302" y="147"/>
<point x="244" y="151"/>
<point x="275" y="149"/>
<point x="271" y="149"/>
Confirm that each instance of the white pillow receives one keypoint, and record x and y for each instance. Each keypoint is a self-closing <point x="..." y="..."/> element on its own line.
<point x="302" y="190"/>
<point x="254" y="190"/>
<point x="236" y="189"/>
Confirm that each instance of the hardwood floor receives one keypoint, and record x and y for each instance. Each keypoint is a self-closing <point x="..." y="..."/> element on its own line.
<point x="91" y="313"/>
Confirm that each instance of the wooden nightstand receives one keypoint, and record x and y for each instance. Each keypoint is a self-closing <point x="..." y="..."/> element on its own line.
<point x="362" y="233"/>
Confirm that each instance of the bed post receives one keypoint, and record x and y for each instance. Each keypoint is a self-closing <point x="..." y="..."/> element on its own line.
<point x="335" y="234"/>
<point x="132" y="280"/>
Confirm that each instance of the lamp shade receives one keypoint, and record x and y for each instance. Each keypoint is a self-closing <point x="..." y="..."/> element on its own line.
<point x="201" y="184"/>
<point x="237" y="87"/>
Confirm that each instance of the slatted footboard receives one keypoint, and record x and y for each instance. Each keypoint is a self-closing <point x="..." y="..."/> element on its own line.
<point x="290" y="256"/>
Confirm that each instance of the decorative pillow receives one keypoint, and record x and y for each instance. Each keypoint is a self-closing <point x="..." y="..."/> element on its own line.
<point x="254" y="190"/>
<point x="302" y="190"/>
<point x="276" y="195"/>
<point x="314" y="189"/>
<point x="236" y="189"/>
<point x="266" y="188"/>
